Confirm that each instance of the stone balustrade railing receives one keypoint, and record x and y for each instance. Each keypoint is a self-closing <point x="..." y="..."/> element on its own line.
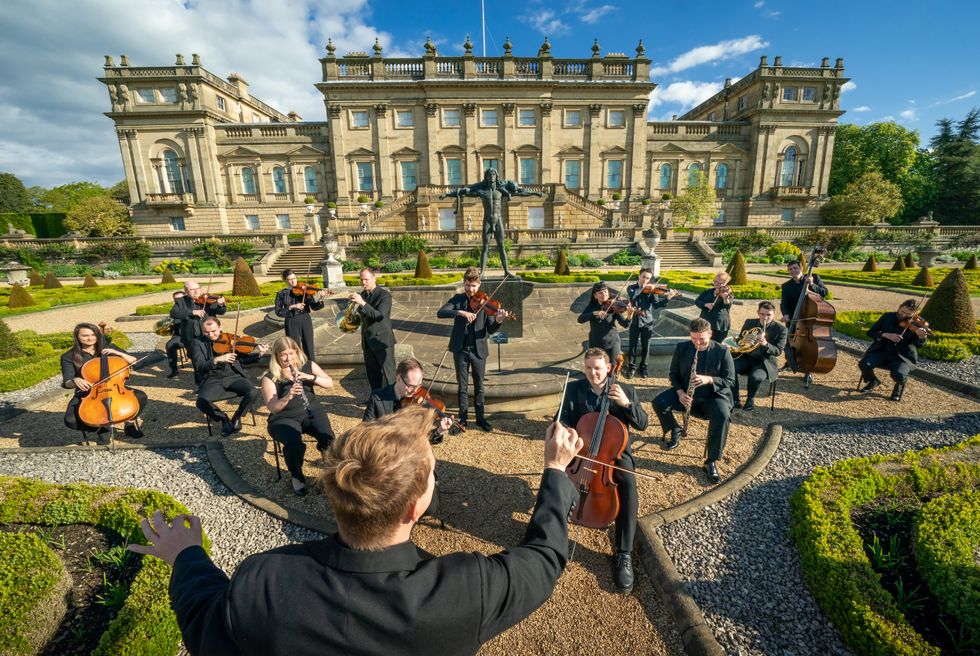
<point x="553" y="235"/>
<point x="161" y="243"/>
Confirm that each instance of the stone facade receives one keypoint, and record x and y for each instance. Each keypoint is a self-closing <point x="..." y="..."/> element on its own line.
<point x="202" y="155"/>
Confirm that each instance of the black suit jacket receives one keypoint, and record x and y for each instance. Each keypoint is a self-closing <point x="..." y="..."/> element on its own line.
<point x="602" y="332"/>
<point x="202" y="357"/>
<point x="483" y="325"/>
<point x="376" y="333"/>
<point x="766" y="355"/>
<point x="575" y="406"/>
<point x="382" y="402"/>
<point x="906" y="350"/>
<point x="645" y="302"/>
<point x="789" y="296"/>
<point x="716" y="361"/>
<point x="718" y="315"/>
<point x="191" y="326"/>
<point x="325" y="598"/>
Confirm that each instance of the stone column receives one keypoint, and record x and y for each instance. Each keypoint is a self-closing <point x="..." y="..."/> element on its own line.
<point x="431" y="163"/>
<point x="593" y="170"/>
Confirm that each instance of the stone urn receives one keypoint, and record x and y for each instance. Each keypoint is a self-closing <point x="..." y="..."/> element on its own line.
<point x="927" y="254"/>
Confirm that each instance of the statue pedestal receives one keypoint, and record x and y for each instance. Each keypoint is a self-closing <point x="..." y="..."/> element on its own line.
<point x="511" y="296"/>
<point x="333" y="273"/>
<point x="651" y="262"/>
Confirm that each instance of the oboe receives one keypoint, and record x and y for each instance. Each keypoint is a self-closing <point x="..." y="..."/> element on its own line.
<point x="302" y="391"/>
<point x="690" y="393"/>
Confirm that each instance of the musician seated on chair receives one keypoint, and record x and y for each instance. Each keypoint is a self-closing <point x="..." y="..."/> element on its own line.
<point x="409" y="379"/>
<point x="369" y="588"/>
<point x="294" y="408"/>
<point x="176" y="342"/>
<point x="220" y="374"/>
<point x="759" y="364"/>
<point x="585" y="396"/>
<point x="706" y="388"/>
<point x="894" y="348"/>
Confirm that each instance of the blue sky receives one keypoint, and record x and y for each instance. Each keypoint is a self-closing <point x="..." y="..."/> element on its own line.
<point x="911" y="62"/>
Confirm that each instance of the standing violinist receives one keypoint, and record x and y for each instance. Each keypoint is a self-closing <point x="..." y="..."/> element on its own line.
<point x="222" y="373"/>
<point x="409" y="377"/>
<point x="715" y="302"/>
<point x="585" y="396"/>
<point x="468" y="344"/>
<point x="175" y="342"/>
<point x="790" y="295"/>
<point x="602" y="318"/>
<point x="191" y="310"/>
<point x="759" y="364"/>
<point x="706" y="389"/>
<point x="896" y="338"/>
<point x="294" y="408"/>
<point x="295" y="308"/>
<point x="89" y="343"/>
<point x="377" y="338"/>
<point x="645" y="297"/>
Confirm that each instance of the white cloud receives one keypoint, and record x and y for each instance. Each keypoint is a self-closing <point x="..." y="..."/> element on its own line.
<point x="684" y="94"/>
<point x="593" y="15"/>
<point x="759" y="5"/>
<point x="964" y="96"/>
<point x="909" y="115"/>
<point x="718" y="52"/>
<point x="862" y="108"/>
<point x="547" y="22"/>
<point x="848" y="86"/>
<point x="774" y="14"/>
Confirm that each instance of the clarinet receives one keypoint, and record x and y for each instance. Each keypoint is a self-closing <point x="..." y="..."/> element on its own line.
<point x="302" y="390"/>
<point x="690" y="392"/>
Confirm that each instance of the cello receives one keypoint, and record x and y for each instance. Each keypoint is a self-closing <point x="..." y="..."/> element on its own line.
<point x="810" y="349"/>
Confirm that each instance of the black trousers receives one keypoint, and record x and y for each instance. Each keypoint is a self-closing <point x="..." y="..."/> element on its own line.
<point x="214" y="389"/>
<point x="299" y="327"/>
<point x="719" y="335"/>
<point x="754" y="371"/>
<point x="289" y="432"/>
<point x="380" y="367"/>
<point x="173" y="345"/>
<point x="629" y="503"/>
<point x="465" y="360"/>
<point x="640" y="336"/>
<point x="73" y="421"/>
<point x="717" y="410"/>
<point x="898" y="368"/>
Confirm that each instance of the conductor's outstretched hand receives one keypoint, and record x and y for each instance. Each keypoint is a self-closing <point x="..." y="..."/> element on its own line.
<point x="561" y="445"/>
<point x="166" y="540"/>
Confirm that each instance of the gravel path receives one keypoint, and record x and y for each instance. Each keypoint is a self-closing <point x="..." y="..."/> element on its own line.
<point x="739" y="560"/>
<point x="967" y="370"/>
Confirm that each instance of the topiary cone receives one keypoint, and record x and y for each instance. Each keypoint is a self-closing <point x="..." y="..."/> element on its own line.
<point x="949" y="309"/>
<point x="35" y="278"/>
<point x="51" y="281"/>
<point x="899" y="264"/>
<point x="244" y="284"/>
<point x="802" y="262"/>
<point x="909" y="262"/>
<point x="924" y="278"/>
<point x="422" y="269"/>
<point x="168" y="276"/>
<point x="871" y="265"/>
<point x="971" y="264"/>
<point x="20" y="297"/>
<point x="738" y="274"/>
<point x="9" y="346"/>
<point x="89" y="281"/>
<point x="561" y="266"/>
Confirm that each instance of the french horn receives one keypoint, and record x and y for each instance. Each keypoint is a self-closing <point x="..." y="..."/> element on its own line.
<point x="350" y="320"/>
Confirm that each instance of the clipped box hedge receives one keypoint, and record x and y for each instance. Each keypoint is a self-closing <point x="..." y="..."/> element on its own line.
<point x="835" y="566"/>
<point x="948" y="347"/>
<point x="73" y="294"/>
<point x="34" y="585"/>
<point x="898" y="279"/>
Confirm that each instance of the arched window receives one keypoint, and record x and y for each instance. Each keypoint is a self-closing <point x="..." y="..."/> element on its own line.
<point x="721" y="176"/>
<point x="309" y="175"/>
<point x="692" y="174"/>
<point x="279" y="180"/>
<point x="175" y="178"/>
<point x="789" y="168"/>
<point x="665" y="173"/>
<point x="248" y="180"/>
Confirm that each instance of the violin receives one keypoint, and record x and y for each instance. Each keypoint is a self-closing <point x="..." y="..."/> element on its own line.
<point x="304" y="290"/>
<point x="620" y="305"/>
<point x="725" y="292"/>
<point x="232" y="343"/>
<point x="915" y="322"/>
<point x="108" y="400"/>
<point x="206" y="299"/>
<point x="482" y="301"/>
<point x="423" y="398"/>
<point x="657" y="289"/>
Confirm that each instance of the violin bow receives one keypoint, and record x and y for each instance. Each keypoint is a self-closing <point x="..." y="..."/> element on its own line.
<point x="123" y="368"/>
<point x="438" y="369"/>
<point x="561" y="402"/>
<point x="234" y="336"/>
<point x="306" y="281"/>
<point x="915" y="313"/>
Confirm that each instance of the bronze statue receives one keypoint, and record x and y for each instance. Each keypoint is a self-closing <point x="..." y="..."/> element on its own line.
<point x="492" y="191"/>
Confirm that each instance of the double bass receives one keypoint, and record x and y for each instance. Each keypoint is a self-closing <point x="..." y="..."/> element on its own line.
<point x="810" y="349"/>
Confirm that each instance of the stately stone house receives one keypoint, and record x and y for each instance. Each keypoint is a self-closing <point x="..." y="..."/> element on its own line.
<point x="202" y="155"/>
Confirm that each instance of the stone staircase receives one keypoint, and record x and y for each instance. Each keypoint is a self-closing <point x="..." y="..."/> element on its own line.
<point x="680" y="255"/>
<point x="298" y="258"/>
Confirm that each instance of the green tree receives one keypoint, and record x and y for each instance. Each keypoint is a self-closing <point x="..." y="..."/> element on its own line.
<point x="65" y="197"/>
<point x="695" y="204"/>
<point x="956" y="151"/>
<point x="120" y="191"/>
<point x="867" y="200"/>
<point x="36" y="201"/>
<point x="885" y="147"/>
<point x="13" y="194"/>
<point x="99" y="216"/>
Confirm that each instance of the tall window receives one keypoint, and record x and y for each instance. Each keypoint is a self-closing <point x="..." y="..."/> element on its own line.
<point x="365" y="176"/>
<point x="491" y="164"/>
<point x="175" y="179"/>
<point x="359" y="119"/>
<point x="221" y="102"/>
<point x="665" y="173"/>
<point x="282" y="221"/>
<point x="617" y="118"/>
<point x="248" y="180"/>
<point x="404" y="118"/>
<point x="535" y="218"/>
<point x="573" y="173"/>
<point x="527" y="171"/>
<point x="614" y="174"/>
<point x="279" y="180"/>
<point x="177" y="223"/>
<point x="488" y="118"/>
<point x="454" y="172"/>
<point x="251" y="221"/>
<point x="409" y="177"/>
<point x="692" y="174"/>
<point x="721" y="176"/>
<point x="450" y="118"/>
<point x="525" y="118"/>
<point x="309" y="176"/>
<point x="573" y="118"/>
<point x="809" y="94"/>
<point x="787" y="215"/>
<point x="447" y="219"/>
<point x="720" y="216"/>
<point x="789" y="94"/>
<point x="789" y="167"/>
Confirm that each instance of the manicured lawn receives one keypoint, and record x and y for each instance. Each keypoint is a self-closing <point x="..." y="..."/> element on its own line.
<point x="73" y="294"/>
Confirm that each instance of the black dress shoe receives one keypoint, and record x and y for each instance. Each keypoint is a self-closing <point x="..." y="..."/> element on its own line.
<point x="227" y="428"/>
<point x="749" y="404"/>
<point x="897" y="392"/>
<point x="133" y="431"/>
<point x="302" y="492"/>
<point x="871" y="385"/>
<point x="712" y="471"/>
<point x="435" y="437"/>
<point x="484" y="425"/>
<point x="644" y="373"/>
<point x="236" y="424"/>
<point x="623" y="572"/>
<point x="675" y="439"/>
<point x="172" y="373"/>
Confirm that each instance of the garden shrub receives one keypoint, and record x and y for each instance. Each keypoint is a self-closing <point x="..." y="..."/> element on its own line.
<point x="439" y="262"/>
<point x="898" y="279"/>
<point x="244" y="283"/>
<point x="871" y="264"/>
<point x="396" y="266"/>
<point x="738" y="274"/>
<point x="782" y="252"/>
<point x="35" y="586"/>
<point x="89" y="281"/>
<point x="909" y="262"/>
<point x="946" y="350"/>
<point x="9" y="346"/>
<point x="899" y="264"/>
<point x="20" y="297"/>
<point x="924" y="278"/>
<point x="51" y="281"/>
<point x="625" y="257"/>
<point x="422" y="269"/>
<point x="168" y="276"/>
<point x="537" y="261"/>
<point x="392" y="248"/>
<point x="747" y="243"/>
<point x="971" y="264"/>
<point x="950" y="308"/>
<point x="35" y="278"/>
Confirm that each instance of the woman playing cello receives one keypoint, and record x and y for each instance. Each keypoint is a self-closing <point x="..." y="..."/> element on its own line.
<point x="88" y="343"/>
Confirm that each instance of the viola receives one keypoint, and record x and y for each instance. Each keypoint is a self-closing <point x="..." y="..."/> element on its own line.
<point x="206" y="299"/>
<point x="482" y="301"/>
<point x="423" y="398"/>
<point x="108" y="401"/>
<point x="232" y="343"/>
